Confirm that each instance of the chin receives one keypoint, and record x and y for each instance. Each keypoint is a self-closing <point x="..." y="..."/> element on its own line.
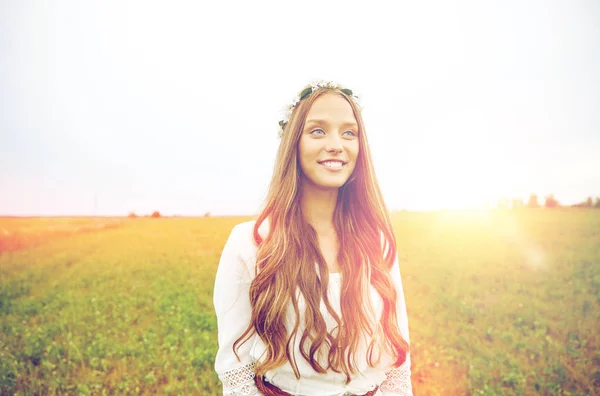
<point x="331" y="183"/>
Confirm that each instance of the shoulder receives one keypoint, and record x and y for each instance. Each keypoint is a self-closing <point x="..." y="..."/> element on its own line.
<point x="242" y="237"/>
<point x="238" y="252"/>
<point x="245" y="230"/>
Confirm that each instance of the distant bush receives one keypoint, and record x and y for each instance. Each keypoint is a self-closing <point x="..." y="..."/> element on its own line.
<point x="551" y="202"/>
<point x="588" y="203"/>
<point x="132" y="215"/>
<point x="155" y="214"/>
<point x="533" y="201"/>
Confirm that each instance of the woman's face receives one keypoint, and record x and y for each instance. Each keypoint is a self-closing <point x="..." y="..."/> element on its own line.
<point x="328" y="146"/>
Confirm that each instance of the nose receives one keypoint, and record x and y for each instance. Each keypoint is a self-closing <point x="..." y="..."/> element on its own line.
<point x="334" y="144"/>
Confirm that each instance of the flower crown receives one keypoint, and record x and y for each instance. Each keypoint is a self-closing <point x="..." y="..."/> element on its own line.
<point x="309" y="89"/>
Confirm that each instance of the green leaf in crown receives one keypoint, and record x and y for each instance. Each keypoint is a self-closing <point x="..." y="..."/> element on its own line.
<point x="305" y="93"/>
<point x="346" y="91"/>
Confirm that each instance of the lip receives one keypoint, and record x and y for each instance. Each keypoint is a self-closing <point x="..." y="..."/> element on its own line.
<point x="335" y="160"/>
<point x="333" y="169"/>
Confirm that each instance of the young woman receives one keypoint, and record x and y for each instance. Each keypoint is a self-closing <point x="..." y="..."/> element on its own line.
<point x="308" y="297"/>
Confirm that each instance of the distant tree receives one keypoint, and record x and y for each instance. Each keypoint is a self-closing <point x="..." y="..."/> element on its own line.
<point x="132" y="215"/>
<point x="533" y="201"/>
<point x="588" y="203"/>
<point x="155" y="214"/>
<point x="551" y="202"/>
<point x="207" y="214"/>
<point x="597" y="202"/>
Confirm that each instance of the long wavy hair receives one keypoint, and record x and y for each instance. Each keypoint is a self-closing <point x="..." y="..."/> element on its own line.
<point x="285" y="266"/>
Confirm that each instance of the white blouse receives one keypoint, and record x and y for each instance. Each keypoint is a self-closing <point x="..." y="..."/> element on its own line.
<point x="232" y="306"/>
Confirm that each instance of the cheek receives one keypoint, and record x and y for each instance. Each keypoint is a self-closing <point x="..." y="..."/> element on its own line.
<point x="307" y="151"/>
<point x="304" y="155"/>
<point x="355" y="149"/>
<point x="355" y="154"/>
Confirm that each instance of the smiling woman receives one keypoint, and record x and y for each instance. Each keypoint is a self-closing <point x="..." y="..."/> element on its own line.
<point x="309" y="297"/>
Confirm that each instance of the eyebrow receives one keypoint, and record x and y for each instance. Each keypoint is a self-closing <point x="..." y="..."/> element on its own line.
<point x="319" y="121"/>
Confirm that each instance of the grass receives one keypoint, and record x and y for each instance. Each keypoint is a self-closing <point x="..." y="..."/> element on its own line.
<point x="498" y="303"/>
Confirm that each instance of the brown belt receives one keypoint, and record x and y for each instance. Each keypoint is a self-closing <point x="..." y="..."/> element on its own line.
<point x="269" y="389"/>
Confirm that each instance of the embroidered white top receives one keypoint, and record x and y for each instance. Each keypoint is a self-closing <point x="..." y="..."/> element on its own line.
<point x="232" y="306"/>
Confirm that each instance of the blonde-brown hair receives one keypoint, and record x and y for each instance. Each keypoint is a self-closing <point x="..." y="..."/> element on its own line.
<point x="285" y="264"/>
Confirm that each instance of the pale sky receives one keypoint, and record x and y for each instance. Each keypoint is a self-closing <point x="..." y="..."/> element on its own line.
<point x="118" y="106"/>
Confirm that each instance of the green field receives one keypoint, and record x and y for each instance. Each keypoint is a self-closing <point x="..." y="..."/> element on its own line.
<point x="498" y="303"/>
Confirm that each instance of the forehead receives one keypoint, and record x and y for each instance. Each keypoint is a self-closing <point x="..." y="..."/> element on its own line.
<point x="331" y="106"/>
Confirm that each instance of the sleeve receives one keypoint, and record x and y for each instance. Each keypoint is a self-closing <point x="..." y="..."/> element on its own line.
<point x="398" y="381"/>
<point x="232" y="306"/>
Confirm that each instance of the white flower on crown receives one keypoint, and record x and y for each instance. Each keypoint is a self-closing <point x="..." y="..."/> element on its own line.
<point x="294" y="102"/>
<point x="332" y="85"/>
<point x="323" y="84"/>
<point x="289" y="108"/>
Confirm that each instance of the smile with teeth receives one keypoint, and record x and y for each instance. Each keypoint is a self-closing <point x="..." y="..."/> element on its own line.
<point x="333" y="164"/>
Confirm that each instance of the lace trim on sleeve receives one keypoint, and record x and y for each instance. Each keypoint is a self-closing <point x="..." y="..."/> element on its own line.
<point x="398" y="380"/>
<point x="239" y="382"/>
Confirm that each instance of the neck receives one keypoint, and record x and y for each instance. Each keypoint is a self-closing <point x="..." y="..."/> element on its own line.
<point x="318" y="206"/>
